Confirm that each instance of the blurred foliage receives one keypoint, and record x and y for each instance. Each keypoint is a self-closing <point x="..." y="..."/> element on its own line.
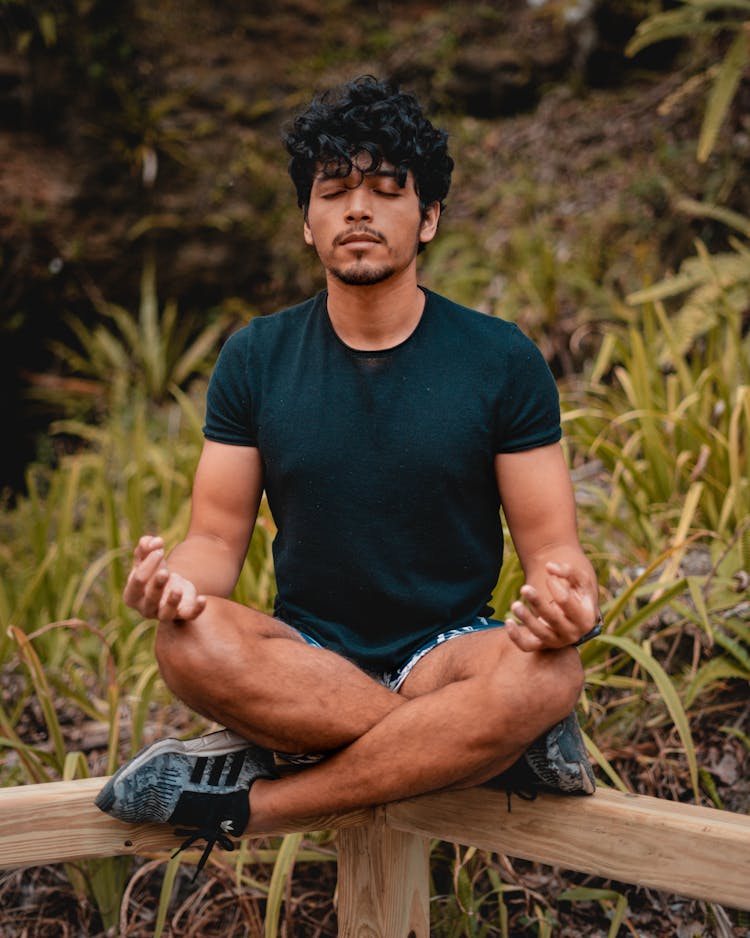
<point x="697" y="20"/>
<point x="656" y="402"/>
<point x="151" y="352"/>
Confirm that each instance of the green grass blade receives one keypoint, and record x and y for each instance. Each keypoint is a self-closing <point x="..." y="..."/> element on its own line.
<point x="197" y="352"/>
<point x="31" y="594"/>
<point x="151" y="350"/>
<point x="616" y="608"/>
<point x="141" y="699"/>
<point x="31" y="758"/>
<point x="604" y="763"/>
<point x="670" y="25"/>
<point x="90" y="576"/>
<point x="75" y="766"/>
<point x="724" y="215"/>
<point x="722" y="93"/>
<point x="738" y="734"/>
<point x="669" y="696"/>
<point x="712" y="673"/>
<point x="43" y="694"/>
<point x="165" y="894"/>
<point x="281" y="872"/>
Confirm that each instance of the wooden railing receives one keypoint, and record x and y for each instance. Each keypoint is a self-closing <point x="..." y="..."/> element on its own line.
<point x="383" y="853"/>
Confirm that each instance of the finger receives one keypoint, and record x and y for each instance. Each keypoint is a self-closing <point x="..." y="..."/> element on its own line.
<point x="153" y="592"/>
<point x="180" y="600"/>
<point x="579" y="606"/>
<point x="549" y="611"/>
<point x="191" y="608"/>
<point x="522" y="637"/>
<point x="533" y="599"/>
<point x="141" y="575"/>
<point x="145" y="546"/>
<point x="550" y="625"/>
<point x="567" y="573"/>
<point x="169" y="601"/>
<point x="560" y="590"/>
<point x="543" y="627"/>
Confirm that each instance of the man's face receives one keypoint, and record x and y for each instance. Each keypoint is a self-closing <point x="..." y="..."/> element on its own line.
<point x="365" y="227"/>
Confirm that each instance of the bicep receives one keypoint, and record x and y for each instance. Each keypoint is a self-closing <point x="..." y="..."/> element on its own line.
<point x="538" y="503"/>
<point x="226" y="495"/>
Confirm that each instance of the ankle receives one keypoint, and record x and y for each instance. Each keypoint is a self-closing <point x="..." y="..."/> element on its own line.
<point x="261" y="820"/>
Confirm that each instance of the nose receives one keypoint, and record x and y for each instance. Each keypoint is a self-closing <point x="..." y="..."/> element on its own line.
<point x="358" y="205"/>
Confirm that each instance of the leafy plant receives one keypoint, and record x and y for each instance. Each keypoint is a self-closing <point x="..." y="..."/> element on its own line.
<point x="668" y="409"/>
<point x="73" y="651"/>
<point x="153" y="351"/>
<point x="664" y="419"/>
<point x="695" y="19"/>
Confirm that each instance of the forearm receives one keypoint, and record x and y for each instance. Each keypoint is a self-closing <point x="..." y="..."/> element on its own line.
<point x="207" y="562"/>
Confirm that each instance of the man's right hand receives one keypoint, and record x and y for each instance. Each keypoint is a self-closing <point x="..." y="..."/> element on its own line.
<point x="155" y="591"/>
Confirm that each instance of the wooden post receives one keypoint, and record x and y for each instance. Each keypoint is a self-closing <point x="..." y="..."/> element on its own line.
<point x="383" y="878"/>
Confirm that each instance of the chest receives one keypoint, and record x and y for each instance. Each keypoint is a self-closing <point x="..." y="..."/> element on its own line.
<point x="375" y="418"/>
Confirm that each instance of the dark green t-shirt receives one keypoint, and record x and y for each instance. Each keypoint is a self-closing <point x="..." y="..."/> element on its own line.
<point x="378" y="466"/>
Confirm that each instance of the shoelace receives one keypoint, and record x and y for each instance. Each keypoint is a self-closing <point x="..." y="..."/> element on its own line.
<point x="524" y="794"/>
<point x="212" y="836"/>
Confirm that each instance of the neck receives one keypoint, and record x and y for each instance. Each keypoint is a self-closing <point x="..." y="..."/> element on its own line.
<point x="375" y="317"/>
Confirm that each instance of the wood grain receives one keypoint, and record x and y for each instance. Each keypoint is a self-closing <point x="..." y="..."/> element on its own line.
<point x="58" y="822"/>
<point x="684" y="849"/>
<point x="383" y="882"/>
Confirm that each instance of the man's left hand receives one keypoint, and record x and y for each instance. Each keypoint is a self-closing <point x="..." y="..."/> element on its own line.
<point x="567" y="612"/>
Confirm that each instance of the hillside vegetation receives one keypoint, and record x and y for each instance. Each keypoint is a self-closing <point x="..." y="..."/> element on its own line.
<point x="600" y="200"/>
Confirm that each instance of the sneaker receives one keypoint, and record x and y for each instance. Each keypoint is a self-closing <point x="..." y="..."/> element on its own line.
<point x="557" y="762"/>
<point x="200" y="785"/>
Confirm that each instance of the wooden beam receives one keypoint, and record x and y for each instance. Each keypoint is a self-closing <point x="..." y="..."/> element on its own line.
<point x="383" y="882"/>
<point x="58" y="822"/>
<point x="685" y="849"/>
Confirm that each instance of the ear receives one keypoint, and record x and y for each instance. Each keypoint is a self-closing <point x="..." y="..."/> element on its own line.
<point x="308" y="233"/>
<point x="428" y="228"/>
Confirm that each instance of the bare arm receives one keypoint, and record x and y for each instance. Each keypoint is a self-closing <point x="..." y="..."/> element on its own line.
<point x="560" y="597"/>
<point x="226" y="494"/>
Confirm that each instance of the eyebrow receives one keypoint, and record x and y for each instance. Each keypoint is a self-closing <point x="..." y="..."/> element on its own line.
<point x="385" y="173"/>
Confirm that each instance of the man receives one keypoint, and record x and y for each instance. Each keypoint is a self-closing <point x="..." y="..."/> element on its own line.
<point x="387" y="425"/>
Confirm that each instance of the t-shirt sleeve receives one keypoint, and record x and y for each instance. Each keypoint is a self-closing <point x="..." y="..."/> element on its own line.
<point x="529" y="413"/>
<point x="228" y="401"/>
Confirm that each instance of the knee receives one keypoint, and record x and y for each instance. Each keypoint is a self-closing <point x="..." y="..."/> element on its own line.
<point x="184" y="652"/>
<point x="528" y="693"/>
<point x="549" y="684"/>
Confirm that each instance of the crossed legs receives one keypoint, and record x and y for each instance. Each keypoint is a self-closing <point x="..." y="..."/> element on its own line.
<point x="465" y="713"/>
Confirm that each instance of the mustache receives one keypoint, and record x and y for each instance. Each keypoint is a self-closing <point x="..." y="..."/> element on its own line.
<point x="359" y="229"/>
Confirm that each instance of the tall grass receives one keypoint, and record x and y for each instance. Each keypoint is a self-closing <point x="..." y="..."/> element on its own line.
<point x="657" y="437"/>
<point x="664" y="419"/>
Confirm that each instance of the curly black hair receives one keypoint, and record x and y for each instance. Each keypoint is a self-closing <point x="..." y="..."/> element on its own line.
<point x="367" y="115"/>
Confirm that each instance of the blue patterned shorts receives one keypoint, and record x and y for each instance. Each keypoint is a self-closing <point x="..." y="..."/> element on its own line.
<point x="394" y="680"/>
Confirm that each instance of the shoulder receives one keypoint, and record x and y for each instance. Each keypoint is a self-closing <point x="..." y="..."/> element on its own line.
<point x="274" y="325"/>
<point x="479" y="329"/>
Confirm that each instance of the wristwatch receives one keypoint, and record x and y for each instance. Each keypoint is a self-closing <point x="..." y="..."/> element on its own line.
<point x="597" y="630"/>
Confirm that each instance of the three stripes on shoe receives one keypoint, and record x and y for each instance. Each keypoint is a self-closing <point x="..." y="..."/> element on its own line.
<point x="235" y="760"/>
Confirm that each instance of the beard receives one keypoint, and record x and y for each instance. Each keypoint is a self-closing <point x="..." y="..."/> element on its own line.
<point x="363" y="273"/>
<point x="360" y="274"/>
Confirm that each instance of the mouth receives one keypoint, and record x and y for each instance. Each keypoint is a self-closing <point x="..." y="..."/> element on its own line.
<point x="359" y="237"/>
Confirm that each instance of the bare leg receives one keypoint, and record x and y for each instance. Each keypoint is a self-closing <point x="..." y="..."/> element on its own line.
<point x="257" y="676"/>
<point x="457" y="735"/>
<point x="468" y="710"/>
